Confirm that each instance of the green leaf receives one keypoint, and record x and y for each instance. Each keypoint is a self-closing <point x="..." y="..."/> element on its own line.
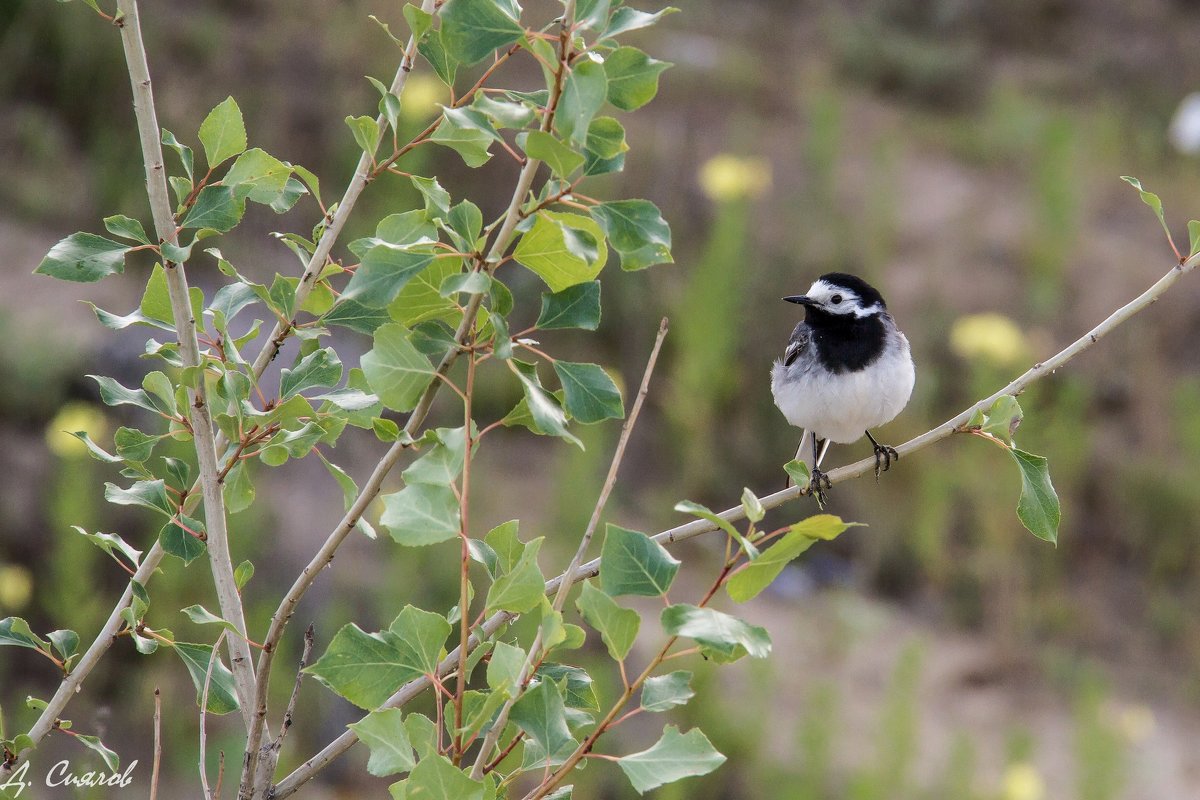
<point x="1150" y="199"/>
<point x="576" y="306"/>
<point x="505" y="544"/>
<point x="674" y="756"/>
<point x="1003" y="418"/>
<point x="264" y="174"/>
<point x="580" y="692"/>
<point x="637" y="231"/>
<point x="560" y="254"/>
<point x="83" y="258"/>
<point x="752" y="506"/>
<point x="385" y="270"/>
<point x="583" y="93"/>
<point x="419" y="637"/>
<point x="522" y="588"/>
<point x="112" y="543"/>
<point x="705" y="513"/>
<point x="437" y="199"/>
<point x="632" y="77"/>
<point x="667" y="691"/>
<point x="633" y="563"/>
<point x="504" y="667"/>
<point x="366" y="133"/>
<point x="627" y="19"/>
<point x="541" y="714"/>
<point x="180" y="543"/>
<point x="366" y="668"/>
<point x="126" y="227"/>
<point x="94" y="450"/>
<point x="606" y="138"/>
<point x="385" y="735"/>
<point x="396" y="371"/>
<point x="202" y="616"/>
<point x="15" y="631"/>
<point x="433" y="48"/>
<point x="133" y="445"/>
<point x="1193" y="237"/>
<point x="546" y="416"/>
<point x="422" y="732"/>
<point x="147" y="494"/>
<point x="503" y="113"/>
<point x="1038" y="509"/>
<point x="442" y="463"/>
<point x="186" y="158"/>
<point x="472" y="29"/>
<point x="421" y="514"/>
<point x="109" y="757"/>
<point x="468" y="132"/>
<point x="65" y="642"/>
<point x="217" y="207"/>
<point x="243" y="574"/>
<point x="618" y="627"/>
<point x="356" y="316"/>
<point x="720" y="636"/>
<point x="222" y="698"/>
<point x="470" y="282"/>
<point x="755" y="576"/>
<point x="435" y="778"/>
<point x="321" y="368"/>
<point x="223" y="132"/>
<point x="589" y="394"/>
<point x="798" y="472"/>
<point x="419" y="21"/>
<point x="239" y="490"/>
<point x="466" y="223"/>
<point x="421" y="299"/>
<point x="561" y="159"/>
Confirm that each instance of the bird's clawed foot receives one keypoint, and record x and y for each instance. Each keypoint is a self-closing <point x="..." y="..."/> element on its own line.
<point x="883" y="458"/>
<point x="818" y="484"/>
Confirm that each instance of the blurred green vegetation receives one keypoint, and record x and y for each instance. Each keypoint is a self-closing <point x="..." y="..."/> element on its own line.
<point x="962" y="156"/>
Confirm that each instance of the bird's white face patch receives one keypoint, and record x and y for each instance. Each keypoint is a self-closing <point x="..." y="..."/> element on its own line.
<point x="840" y="300"/>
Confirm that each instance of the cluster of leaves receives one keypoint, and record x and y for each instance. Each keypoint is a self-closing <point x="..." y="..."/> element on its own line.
<point x="428" y="287"/>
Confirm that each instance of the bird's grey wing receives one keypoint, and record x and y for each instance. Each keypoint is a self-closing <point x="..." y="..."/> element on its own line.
<point x="797" y="344"/>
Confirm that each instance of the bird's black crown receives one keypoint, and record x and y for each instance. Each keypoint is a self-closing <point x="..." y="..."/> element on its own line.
<point x="867" y="293"/>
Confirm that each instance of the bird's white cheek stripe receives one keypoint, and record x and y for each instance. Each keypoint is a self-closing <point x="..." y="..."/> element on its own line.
<point x="862" y="313"/>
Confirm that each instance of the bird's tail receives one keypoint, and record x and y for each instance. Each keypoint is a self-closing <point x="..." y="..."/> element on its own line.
<point x="804" y="452"/>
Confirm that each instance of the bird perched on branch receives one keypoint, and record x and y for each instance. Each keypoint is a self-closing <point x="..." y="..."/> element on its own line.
<point x="847" y="368"/>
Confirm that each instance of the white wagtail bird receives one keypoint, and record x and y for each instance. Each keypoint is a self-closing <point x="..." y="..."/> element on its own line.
<point x="847" y="368"/>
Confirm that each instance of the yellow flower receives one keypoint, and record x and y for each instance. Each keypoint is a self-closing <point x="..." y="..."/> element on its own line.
<point x="70" y="418"/>
<point x="727" y="177"/>
<point x="421" y="96"/>
<point x="16" y="587"/>
<point x="1136" y="723"/>
<point x="1022" y="782"/>
<point x="991" y="337"/>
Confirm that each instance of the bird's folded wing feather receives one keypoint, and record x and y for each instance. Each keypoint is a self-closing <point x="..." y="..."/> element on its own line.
<point x="797" y="344"/>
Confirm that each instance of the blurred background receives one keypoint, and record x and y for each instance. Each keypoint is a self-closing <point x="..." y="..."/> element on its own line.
<point x="962" y="155"/>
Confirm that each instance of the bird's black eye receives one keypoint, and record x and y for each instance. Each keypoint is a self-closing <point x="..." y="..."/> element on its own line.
<point x="837" y="298"/>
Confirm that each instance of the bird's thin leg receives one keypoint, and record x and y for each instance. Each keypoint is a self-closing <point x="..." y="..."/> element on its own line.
<point x="819" y="482"/>
<point x="883" y="455"/>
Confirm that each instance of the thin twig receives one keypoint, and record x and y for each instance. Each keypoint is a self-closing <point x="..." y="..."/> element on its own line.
<point x="618" y="455"/>
<point x="157" y="744"/>
<point x="310" y="768"/>
<point x="213" y="658"/>
<point x="189" y="350"/>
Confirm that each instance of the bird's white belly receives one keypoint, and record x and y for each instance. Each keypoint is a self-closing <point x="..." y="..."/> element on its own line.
<point x="840" y="407"/>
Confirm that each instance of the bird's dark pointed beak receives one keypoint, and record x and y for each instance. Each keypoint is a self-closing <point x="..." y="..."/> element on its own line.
<point x="800" y="299"/>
